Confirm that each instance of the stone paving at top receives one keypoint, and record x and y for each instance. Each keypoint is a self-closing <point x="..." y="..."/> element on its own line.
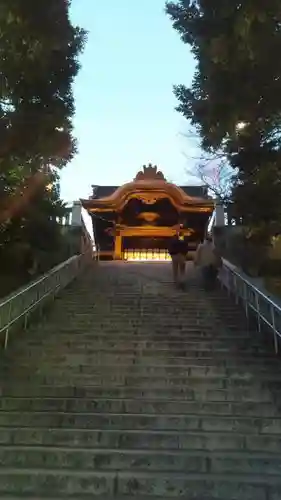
<point x="131" y="389"/>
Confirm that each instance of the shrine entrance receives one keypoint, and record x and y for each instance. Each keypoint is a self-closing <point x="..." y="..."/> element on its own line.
<point x="146" y="255"/>
<point x="146" y="248"/>
<point x="136" y="221"/>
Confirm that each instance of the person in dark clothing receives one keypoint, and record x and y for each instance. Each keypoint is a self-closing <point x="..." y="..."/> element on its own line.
<point x="178" y="250"/>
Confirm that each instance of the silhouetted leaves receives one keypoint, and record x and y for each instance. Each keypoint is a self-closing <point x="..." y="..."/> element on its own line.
<point x="39" y="49"/>
<point x="237" y="82"/>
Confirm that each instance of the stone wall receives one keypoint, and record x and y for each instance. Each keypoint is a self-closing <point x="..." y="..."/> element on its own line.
<point x="254" y="259"/>
<point x="234" y="246"/>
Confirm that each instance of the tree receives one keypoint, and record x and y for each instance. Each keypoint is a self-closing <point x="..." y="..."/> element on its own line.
<point x="32" y="232"/>
<point x="234" y="101"/>
<point x="216" y="174"/>
<point x="39" y="51"/>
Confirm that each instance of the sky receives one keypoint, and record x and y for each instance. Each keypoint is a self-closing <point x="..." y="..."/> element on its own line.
<point x="125" y="107"/>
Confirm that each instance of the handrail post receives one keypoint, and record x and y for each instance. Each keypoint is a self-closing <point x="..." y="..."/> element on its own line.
<point x="258" y="310"/>
<point x="246" y="302"/>
<point x="274" y="329"/>
<point x="253" y="299"/>
<point x="8" y="327"/>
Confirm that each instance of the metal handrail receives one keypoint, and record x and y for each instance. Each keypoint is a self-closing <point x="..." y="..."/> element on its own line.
<point x="20" y="304"/>
<point x="253" y="300"/>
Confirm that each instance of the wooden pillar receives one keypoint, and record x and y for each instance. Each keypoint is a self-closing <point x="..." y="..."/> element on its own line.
<point x="118" y="246"/>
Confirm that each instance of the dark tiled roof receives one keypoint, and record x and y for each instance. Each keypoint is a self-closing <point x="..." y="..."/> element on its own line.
<point x="196" y="191"/>
<point x="103" y="191"/>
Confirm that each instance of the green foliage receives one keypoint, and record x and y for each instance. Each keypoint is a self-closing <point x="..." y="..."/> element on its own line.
<point x="237" y="81"/>
<point x="39" y="49"/>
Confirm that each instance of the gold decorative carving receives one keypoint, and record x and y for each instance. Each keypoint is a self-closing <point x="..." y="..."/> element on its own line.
<point x="150" y="173"/>
<point x="149" y="216"/>
<point x="150" y="201"/>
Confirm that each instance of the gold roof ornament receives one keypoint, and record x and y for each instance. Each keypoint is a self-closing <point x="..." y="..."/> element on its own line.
<point x="151" y="173"/>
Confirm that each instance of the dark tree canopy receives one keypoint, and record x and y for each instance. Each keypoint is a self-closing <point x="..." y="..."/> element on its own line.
<point x="39" y="50"/>
<point x="234" y="101"/>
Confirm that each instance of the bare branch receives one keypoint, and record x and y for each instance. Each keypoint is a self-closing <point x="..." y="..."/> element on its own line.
<point x="216" y="174"/>
<point x="210" y="168"/>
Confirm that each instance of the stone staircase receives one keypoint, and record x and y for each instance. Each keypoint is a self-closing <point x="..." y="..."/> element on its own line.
<point x="131" y="389"/>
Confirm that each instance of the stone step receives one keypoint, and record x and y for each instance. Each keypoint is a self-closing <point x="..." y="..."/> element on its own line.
<point x="202" y="358"/>
<point x="127" y="483"/>
<point x="182" y="461"/>
<point x="137" y="316"/>
<point x="120" y="303"/>
<point x="145" y="331"/>
<point x="136" y="439"/>
<point x="136" y="367"/>
<point x="83" y="497"/>
<point x="202" y="393"/>
<point x="134" y="313"/>
<point x="138" y="300"/>
<point x="137" y="295"/>
<point x="136" y="336"/>
<point x="142" y="440"/>
<point x="147" y="324"/>
<point x="194" y="351"/>
<point x="184" y="422"/>
<point x="118" y="306"/>
<point x="130" y="406"/>
<point x="154" y="382"/>
<point x="147" y="345"/>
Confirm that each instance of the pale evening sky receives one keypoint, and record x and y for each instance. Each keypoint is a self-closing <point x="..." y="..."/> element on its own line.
<point x="125" y="113"/>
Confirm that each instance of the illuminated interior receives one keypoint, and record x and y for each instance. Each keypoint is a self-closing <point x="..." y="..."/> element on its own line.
<point x="147" y="255"/>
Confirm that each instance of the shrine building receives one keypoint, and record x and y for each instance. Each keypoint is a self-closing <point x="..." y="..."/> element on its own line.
<point x="136" y="221"/>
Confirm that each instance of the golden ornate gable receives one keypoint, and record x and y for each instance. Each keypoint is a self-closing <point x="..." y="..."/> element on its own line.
<point x="150" y="173"/>
<point x="149" y="185"/>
